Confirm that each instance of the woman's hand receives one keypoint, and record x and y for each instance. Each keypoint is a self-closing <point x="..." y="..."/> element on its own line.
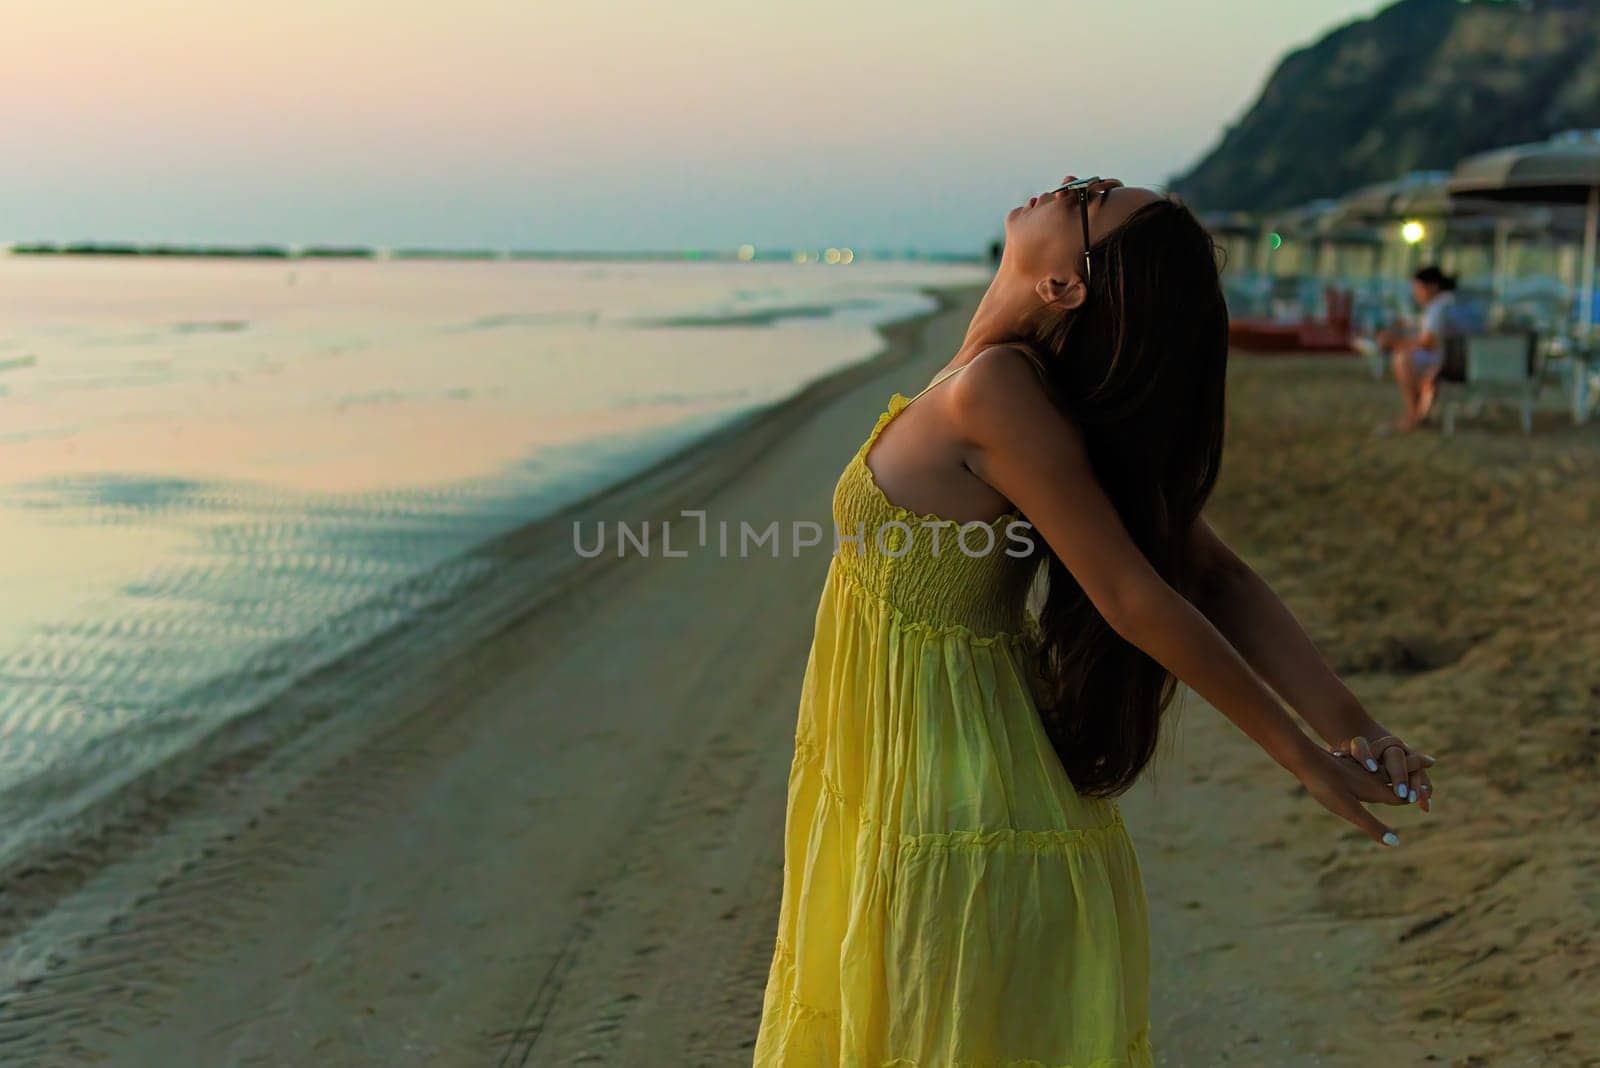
<point x="1344" y="787"/>
<point x="1404" y="767"/>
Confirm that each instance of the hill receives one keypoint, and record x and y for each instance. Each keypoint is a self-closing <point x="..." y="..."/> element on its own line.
<point x="1414" y="87"/>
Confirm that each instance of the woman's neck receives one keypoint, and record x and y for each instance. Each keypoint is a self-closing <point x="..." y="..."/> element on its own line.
<point x="997" y="317"/>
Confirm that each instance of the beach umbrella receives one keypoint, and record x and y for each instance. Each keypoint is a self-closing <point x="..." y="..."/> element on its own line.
<point x="1230" y="223"/>
<point x="1418" y="195"/>
<point x="1434" y="201"/>
<point x="1312" y="219"/>
<point x="1318" y="229"/>
<point x="1369" y="207"/>
<point x="1562" y="170"/>
<point x="1325" y="225"/>
<point x="1234" y="231"/>
<point x="1425" y="197"/>
<point x="1376" y="203"/>
<point x="1303" y="221"/>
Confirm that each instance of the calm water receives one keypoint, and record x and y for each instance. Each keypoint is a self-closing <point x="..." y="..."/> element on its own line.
<point x="214" y="474"/>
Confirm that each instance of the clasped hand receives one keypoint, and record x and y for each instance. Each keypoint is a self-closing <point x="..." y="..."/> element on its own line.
<point x="1383" y="770"/>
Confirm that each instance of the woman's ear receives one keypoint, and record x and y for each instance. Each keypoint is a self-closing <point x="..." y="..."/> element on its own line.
<point x="1066" y="294"/>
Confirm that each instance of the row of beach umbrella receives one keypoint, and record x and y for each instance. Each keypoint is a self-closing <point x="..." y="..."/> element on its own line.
<point x="1550" y="187"/>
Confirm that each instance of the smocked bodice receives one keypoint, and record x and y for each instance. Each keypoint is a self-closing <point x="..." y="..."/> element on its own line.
<point x="933" y="571"/>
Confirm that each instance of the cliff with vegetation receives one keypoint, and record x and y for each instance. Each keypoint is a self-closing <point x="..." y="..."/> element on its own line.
<point x="1414" y="87"/>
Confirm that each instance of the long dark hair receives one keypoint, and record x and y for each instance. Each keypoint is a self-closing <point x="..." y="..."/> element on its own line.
<point x="1140" y="367"/>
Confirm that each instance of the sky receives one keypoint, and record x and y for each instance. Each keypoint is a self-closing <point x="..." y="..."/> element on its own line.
<point x="607" y="124"/>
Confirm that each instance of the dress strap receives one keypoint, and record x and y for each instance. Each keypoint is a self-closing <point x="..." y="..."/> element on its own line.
<point x="1026" y="350"/>
<point x="941" y="378"/>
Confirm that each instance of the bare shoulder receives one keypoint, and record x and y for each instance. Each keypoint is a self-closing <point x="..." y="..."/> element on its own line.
<point x="999" y="399"/>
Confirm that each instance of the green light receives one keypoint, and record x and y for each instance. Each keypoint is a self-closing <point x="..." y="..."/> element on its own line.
<point x="1275" y="239"/>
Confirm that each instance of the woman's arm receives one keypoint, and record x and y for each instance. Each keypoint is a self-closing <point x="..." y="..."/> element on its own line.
<point x="1256" y="621"/>
<point x="1246" y="610"/>
<point x="1016" y="440"/>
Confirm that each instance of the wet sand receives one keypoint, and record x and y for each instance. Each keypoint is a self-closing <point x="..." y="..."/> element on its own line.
<point x="542" y="826"/>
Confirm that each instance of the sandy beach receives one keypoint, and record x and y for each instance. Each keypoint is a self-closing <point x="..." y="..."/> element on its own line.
<point x="542" y="825"/>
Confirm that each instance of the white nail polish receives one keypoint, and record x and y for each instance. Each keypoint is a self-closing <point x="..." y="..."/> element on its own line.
<point x="1372" y="765"/>
<point x="1390" y="838"/>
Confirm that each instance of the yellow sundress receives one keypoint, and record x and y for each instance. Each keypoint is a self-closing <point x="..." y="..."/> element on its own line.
<point x="949" y="900"/>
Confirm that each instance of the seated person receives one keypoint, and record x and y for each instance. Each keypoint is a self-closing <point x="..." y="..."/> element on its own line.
<point x="1417" y="358"/>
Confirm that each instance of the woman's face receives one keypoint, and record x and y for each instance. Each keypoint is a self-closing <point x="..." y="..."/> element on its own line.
<point x="1422" y="292"/>
<point x="1045" y="235"/>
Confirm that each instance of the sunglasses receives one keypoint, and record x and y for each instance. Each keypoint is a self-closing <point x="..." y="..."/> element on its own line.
<point x="1081" y="187"/>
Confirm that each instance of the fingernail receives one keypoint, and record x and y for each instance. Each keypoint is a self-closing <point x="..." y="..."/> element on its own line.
<point x="1400" y="788"/>
<point x="1412" y="797"/>
<point x="1390" y="838"/>
<point x="1372" y="765"/>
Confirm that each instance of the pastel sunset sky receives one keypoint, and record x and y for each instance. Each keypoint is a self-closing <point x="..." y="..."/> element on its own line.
<point x="607" y="124"/>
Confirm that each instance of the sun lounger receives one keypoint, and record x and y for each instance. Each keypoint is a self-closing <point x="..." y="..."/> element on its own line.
<point x="1479" y="367"/>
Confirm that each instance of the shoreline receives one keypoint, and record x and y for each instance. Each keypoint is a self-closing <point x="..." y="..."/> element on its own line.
<point x="693" y="469"/>
<point x="174" y="815"/>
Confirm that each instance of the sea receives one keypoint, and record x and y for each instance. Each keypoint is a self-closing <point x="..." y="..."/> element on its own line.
<point x="218" y="475"/>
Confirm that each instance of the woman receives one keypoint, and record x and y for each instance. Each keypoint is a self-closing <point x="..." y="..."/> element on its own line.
<point x="959" y="888"/>
<point x="1418" y="358"/>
